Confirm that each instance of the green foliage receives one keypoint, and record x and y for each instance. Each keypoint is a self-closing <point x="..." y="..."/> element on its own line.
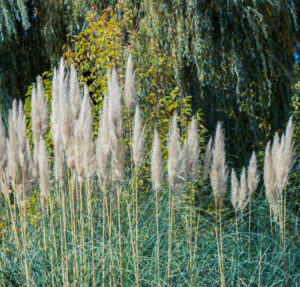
<point x="103" y="45"/>
<point x="11" y="12"/>
<point x="234" y="58"/>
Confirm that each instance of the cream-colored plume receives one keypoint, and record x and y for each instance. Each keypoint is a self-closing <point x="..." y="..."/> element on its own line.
<point x="174" y="151"/>
<point x="74" y="93"/>
<point x="55" y="130"/>
<point x="283" y="156"/>
<point x="235" y="189"/>
<point x="83" y="150"/>
<point x="129" y="96"/>
<point x="252" y="175"/>
<point x="218" y="172"/>
<point x="193" y="148"/>
<point x="156" y="162"/>
<point x="103" y="140"/>
<point x="39" y="116"/>
<point x="115" y="122"/>
<point x="207" y="159"/>
<point x="138" y="137"/>
<point x="243" y="194"/>
<point x="269" y="181"/>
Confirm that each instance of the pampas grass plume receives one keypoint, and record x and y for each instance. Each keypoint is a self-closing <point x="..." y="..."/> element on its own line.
<point x="138" y="138"/>
<point x="207" y="159"/>
<point x="173" y="150"/>
<point x="129" y="96"/>
<point x="243" y="194"/>
<point x="218" y="172"/>
<point x="156" y="162"/>
<point x="193" y="149"/>
<point x="252" y="175"/>
<point x="234" y="190"/>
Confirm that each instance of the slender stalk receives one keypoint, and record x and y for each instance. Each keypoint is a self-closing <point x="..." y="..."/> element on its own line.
<point x="132" y="243"/>
<point x="104" y="203"/>
<point x="90" y="215"/>
<point x="136" y="225"/>
<point x="120" y="239"/>
<point x="260" y="259"/>
<point x="191" y="226"/>
<point x="249" y="237"/>
<point x="195" y="247"/>
<point x="24" y="236"/>
<point x="82" y="239"/>
<point x="170" y="235"/>
<point x="157" y="236"/>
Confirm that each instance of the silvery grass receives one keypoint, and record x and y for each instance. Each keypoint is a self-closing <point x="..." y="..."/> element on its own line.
<point x="69" y="217"/>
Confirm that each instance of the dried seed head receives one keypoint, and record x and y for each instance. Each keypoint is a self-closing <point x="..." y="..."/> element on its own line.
<point x="103" y="140"/>
<point x="218" y="172"/>
<point x="234" y="190"/>
<point x="207" y="159"/>
<point x="39" y="116"/>
<point x="156" y="163"/>
<point x="193" y="146"/>
<point x="115" y="123"/>
<point x="130" y="91"/>
<point x="173" y="151"/>
<point x="269" y="181"/>
<point x="253" y="176"/>
<point x="138" y="137"/>
<point x="74" y="93"/>
<point x="243" y="194"/>
<point x="284" y="156"/>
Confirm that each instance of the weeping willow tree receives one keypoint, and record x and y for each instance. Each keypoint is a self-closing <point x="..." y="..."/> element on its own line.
<point x="234" y="57"/>
<point x="32" y="34"/>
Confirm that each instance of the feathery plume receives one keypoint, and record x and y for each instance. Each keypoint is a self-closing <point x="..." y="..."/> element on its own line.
<point x="67" y="122"/>
<point x="284" y="157"/>
<point x="137" y="139"/>
<point x="156" y="162"/>
<point x="234" y="190"/>
<point x="43" y="171"/>
<point x="55" y="129"/>
<point x="269" y="181"/>
<point x="218" y="172"/>
<point x="207" y="159"/>
<point x="173" y="151"/>
<point x="20" y="164"/>
<point x="14" y="166"/>
<point x="193" y="147"/>
<point x="83" y="151"/>
<point x="39" y="116"/>
<point x="74" y="93"/>
<point x="103" y="140"/>
<point x="243" y="194"/>
<point x="252" y="176"/>
<point x="129" y="96"/>
<point x="115" y="120"/>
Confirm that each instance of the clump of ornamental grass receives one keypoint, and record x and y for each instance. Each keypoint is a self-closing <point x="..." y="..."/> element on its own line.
<point x="277" y="166"/>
